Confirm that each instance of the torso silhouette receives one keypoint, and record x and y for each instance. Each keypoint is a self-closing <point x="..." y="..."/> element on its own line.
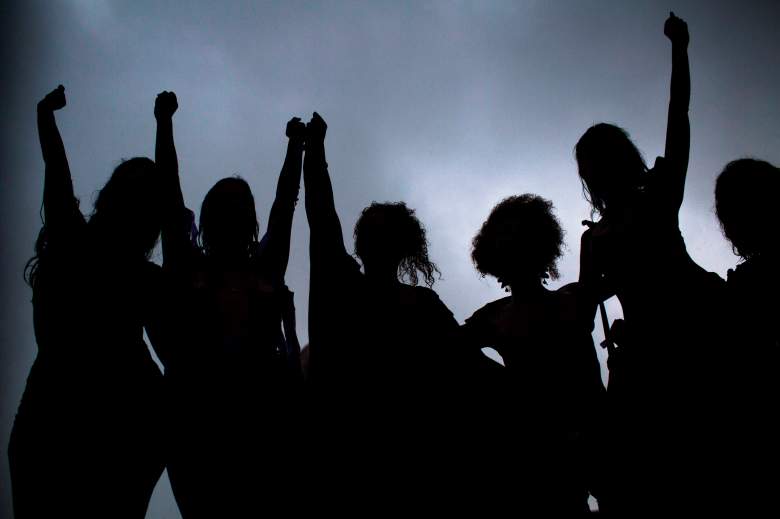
<point x="230" y="385"/>
<point x="234" y="376"/>
<point x="236" y="352"/>
<point x="385" y="338"/>
<point x="545" y="399"/>
<point x="92" y="409"/>
<point x="379" y="384"/>
<point x="641" y="252"/>
<point x="666" y="297"/>
<point x="666" y="388"/>
<point x="753" y="288"/>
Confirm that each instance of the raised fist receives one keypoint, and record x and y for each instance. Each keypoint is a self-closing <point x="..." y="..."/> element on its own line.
<point x="54" y="100"/>
<point x="296" y="129"/>
<point x="165" y="105"/>
<point x="316" y="128"/>
<point x="676" y="30"/>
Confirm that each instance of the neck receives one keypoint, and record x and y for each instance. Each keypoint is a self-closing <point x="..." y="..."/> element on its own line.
<point x="385" y="275"/>
<point x="526" y="289"/>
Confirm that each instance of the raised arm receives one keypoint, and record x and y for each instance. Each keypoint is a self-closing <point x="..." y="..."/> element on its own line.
<point x="176" y="225"/>
<point x="326" y="237"/>
<point x="60" y="207"/>
<point x="276" y="243"/>
<point x="678" y="128"/>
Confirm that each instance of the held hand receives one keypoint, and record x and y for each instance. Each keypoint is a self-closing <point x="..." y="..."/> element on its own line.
<point x="316" y="128"/>
<point x="660" y="165"/>
<point x="676" y="30"/>
<point x="296" y="130"/>
<point x="594" y="230"/>
<point x="618" y="332"/>
<point x="165" y="105"/>
<point x="54" y="100"/>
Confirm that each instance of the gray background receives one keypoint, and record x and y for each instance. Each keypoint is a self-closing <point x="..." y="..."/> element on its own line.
<point x="450" y="106"/>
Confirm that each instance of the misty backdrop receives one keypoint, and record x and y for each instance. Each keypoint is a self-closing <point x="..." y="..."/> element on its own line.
<point x="447" y="105"/>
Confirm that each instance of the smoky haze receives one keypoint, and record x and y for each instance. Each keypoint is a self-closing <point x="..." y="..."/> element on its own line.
<point x="450" y="106"/>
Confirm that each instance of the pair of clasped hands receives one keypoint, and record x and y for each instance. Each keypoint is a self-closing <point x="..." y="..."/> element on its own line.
<point x="165" y="106"/>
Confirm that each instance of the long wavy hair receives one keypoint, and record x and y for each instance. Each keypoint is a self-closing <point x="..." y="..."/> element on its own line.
<point x="610" y="166"/>
<point x="746" y="194"/>
<point x="126" y="218"/>
<point x="228" y="217"/>
<point x="392" y="231"/>
<point x="522" y="237"/>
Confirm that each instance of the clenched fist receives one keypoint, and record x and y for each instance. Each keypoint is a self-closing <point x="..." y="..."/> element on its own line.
<point x="165" y="105"/>
<point x="676" y="30"/>
<point x="316" y="128"/>
<point x="54" y="100"/>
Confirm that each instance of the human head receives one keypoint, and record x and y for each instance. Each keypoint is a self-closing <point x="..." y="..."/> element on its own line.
<point x="228" y="221"/>
<point x="126" y="218"/>
<point x="389" y="235"/>
<point x="610" y="166"/>
<point x="128" y="209"/>
<point x="746" y="194"/>
<point x="521" y="240"/>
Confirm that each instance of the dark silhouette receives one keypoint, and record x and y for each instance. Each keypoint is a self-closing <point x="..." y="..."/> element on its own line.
<point x="234" y="376"/>
<point x="379" y="350"/>
<point x="664" y="371"/>
<point x="746" y="196"/>
<point x="549" y="395"/>
<point x="86" y="439"/>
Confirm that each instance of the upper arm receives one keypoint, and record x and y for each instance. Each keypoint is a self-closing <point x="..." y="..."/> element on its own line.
<point x="280" y="219"/>
<point x="326" y="239"/>
<point x="60" y="206"/>
<point x="678" y="130"/>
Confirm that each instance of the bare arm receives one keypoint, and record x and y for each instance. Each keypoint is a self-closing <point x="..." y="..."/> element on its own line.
<point x="60" y="207"/>
<point x="678" y="128"/>
<point x="175" y="226"/>
<point x="277" y="239"/>
<point x="326" y="236"/>
<point x="591" y="283"/>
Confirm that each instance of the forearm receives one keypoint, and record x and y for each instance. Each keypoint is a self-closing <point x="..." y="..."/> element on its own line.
<point x="58" y="187"/>
<point x="168" y="164"/>
<point x="175" y="218"/>
<point x="678" y="133"/>
<point x="283" y="209"/>
<point x="320" y="206"/>
<point x="289" y="183"/>
<point x="52" y="148"/>
<point x="319" y="190"/>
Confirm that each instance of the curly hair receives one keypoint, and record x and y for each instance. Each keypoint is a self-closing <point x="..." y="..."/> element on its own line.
<point x="609" y="165"/>
<point x="521" y="238"/>
<point x="746" y="192"/>
<point x="392" y="231"/>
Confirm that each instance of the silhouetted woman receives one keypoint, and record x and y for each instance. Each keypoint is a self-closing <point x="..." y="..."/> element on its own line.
<point x="746" y="195"/>
<point x="662" y="373"/>
<point x="379" y="346"/>
<point x="86" y="439"/>
<point x="234" y="374"/>
<point x="550" y="389"/>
